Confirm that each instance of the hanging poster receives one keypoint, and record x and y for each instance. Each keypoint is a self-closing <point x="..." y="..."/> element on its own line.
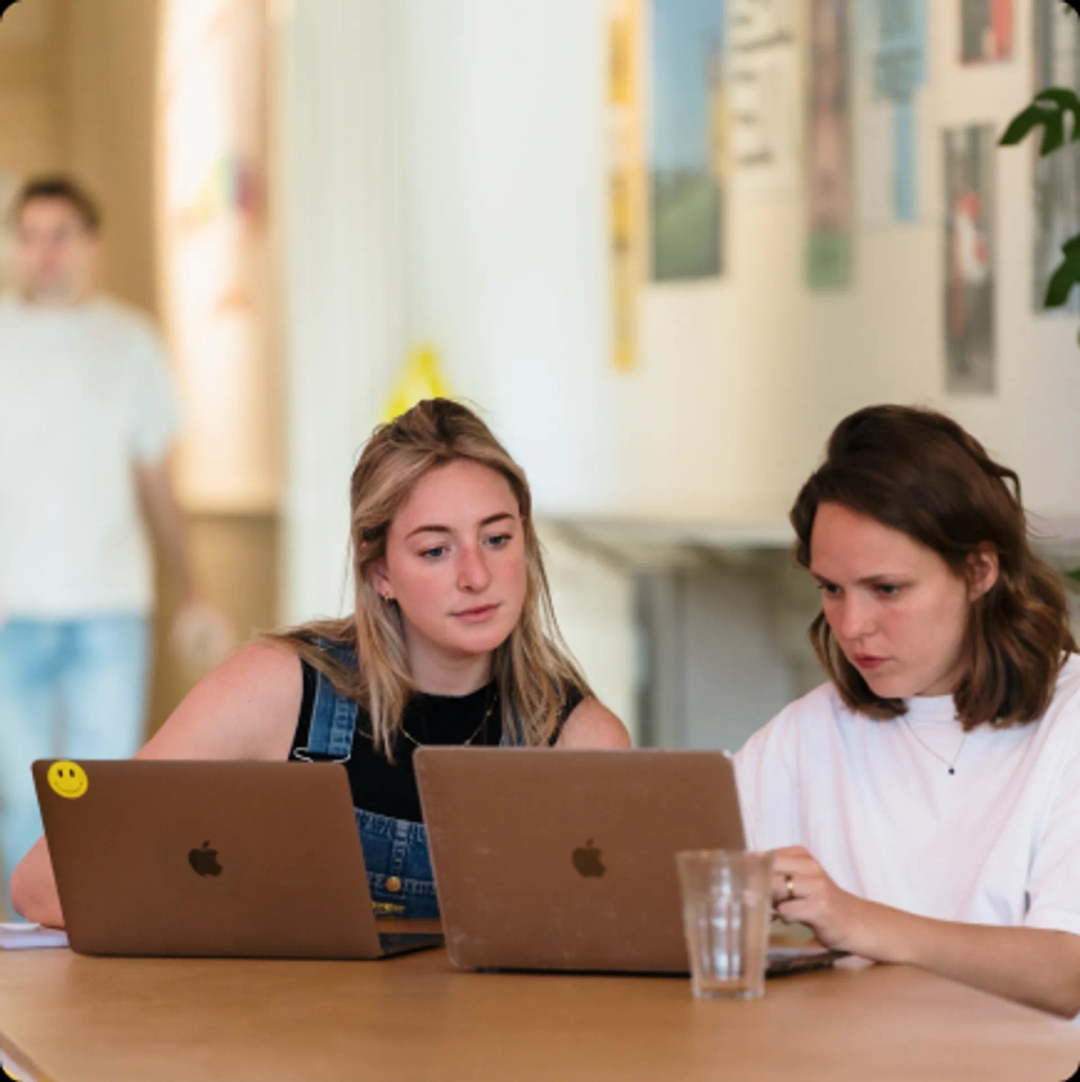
<point x="969" y="258"/>
<point x="626" y="177"/>
<point x="986" y="30"/>
<point x="892" y="73"/>
<point x="829" y="197"/>
<point x="688" y="144"/>
<point x="1057" y="176"/>
<point x="766" y="102"/>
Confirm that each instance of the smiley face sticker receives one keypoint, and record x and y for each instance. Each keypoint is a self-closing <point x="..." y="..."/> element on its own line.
<point x="67" y="779"/>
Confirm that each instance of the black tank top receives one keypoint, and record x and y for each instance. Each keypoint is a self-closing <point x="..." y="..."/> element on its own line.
<point x="389" y="788"/>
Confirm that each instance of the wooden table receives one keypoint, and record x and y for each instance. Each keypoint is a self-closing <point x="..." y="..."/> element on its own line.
<point x="66" y="1018"/>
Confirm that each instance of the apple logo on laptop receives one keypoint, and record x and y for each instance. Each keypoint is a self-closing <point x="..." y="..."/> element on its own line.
<point x="587" y="861"/>
<point x="204" y="860"/>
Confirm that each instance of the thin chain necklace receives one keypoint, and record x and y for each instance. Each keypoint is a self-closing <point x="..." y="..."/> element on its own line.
<point x="483" y="724"/>
<point x="940" y="758"/>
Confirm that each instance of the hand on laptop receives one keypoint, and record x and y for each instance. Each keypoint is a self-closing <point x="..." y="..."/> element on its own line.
<point x="803" y="893"/>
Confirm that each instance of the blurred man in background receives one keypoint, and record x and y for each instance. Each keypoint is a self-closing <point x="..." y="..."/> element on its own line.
<point x="87" y="415"/>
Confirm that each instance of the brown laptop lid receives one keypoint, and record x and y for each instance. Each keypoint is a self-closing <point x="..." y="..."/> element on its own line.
<point x="559" y="859"/>
<point x="239" y="859"/>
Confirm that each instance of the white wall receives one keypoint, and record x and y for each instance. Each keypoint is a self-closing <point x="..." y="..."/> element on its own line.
<point x="505" y="255"/>
<point x="342" y="176"/>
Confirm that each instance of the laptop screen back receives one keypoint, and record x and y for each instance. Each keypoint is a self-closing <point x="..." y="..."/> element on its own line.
<point x="210" y="858"/>
<point x="564" y="859"/>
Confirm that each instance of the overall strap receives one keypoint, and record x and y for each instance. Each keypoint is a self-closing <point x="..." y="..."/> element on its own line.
<point x="333" y="716"/>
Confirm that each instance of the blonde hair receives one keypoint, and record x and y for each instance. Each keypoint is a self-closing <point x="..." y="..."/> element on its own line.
<point x="533" y="667"/>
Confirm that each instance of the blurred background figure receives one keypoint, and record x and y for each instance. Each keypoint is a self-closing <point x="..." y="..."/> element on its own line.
<point x="87" y="415"/>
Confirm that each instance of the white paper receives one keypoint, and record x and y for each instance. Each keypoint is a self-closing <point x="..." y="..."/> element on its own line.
<point x="22" y="935"/>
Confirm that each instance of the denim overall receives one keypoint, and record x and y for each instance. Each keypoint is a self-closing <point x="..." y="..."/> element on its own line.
<point x="395" y="850"/>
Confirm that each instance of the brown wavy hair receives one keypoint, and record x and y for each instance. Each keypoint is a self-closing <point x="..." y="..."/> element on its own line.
<point x="533" y="667"/>
<point x="64" y="189"/>
<point x="919" y="472"/>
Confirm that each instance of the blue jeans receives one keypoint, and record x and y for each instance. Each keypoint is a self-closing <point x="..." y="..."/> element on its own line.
<point x="68" y="688"/>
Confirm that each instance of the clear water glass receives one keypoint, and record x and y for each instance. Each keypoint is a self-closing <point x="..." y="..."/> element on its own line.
<point x="727" y="907"/>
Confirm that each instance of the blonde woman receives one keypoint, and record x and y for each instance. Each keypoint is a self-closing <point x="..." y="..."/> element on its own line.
<point x="453" y="641"/>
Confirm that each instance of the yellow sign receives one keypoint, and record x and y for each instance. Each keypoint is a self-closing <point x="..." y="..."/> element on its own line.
<point x="67" y="779"/>
<point x="626" y="177"/>
<point x="421" y="378"/>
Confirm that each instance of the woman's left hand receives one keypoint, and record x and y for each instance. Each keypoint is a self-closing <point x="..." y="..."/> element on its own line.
<point x="803" y="892"/>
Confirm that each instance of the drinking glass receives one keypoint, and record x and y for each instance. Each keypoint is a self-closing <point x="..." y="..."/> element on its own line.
<point x="727" y="904"/>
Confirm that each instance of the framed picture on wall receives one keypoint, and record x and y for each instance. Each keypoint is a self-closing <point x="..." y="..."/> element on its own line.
<point x="892" y="73"/>
<point x="969" y="258"/>
<point x="986" y="30"/>
<point x="1057" y="176"/>
<point x="688" y="144"/>
<point x="766" y="95"/>
<point x="829" y="181"/>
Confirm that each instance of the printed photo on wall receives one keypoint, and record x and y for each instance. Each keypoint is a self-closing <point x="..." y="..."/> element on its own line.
<point x="766" y="100"/>
<point x="892" y="74"/>
<point x="1057" y="177"/>
<point x="828" y="150"/>
<point x="969" y="259"/>
<point x="986" y="30"/>
<point x="688" y="145"/>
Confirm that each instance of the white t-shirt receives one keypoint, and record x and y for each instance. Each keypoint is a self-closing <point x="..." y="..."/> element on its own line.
<point x="998" y="842"/>
<point x="84" y="396"/>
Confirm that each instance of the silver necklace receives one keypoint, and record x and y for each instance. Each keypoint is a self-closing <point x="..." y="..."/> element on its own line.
<point x="940" y="758"/>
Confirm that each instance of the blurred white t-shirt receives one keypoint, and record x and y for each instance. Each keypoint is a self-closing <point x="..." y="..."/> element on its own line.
<point x="84" y="396"/>
<point x="998" y="842"/>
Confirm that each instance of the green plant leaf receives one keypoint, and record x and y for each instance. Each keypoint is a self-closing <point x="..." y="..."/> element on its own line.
<point x="1054" y="136"/>
<point x="1047" y="111"/>
<point x="1066" y="100"/>
<point x="1062" y="281"/>
<point x="1073" y="574"/>
<point x="1023" y="123"/>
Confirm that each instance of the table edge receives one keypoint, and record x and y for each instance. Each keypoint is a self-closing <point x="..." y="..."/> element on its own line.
<point x="11" y="1055"/>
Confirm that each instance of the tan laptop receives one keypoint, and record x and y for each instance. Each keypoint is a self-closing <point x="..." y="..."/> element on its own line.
<point x="565" y="860"/>
<point x="233" y="859"/>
